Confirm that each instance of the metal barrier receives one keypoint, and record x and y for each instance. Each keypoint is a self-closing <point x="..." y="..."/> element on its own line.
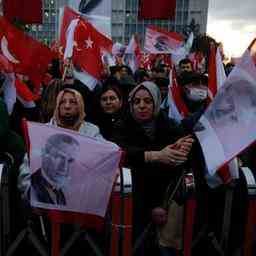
<point x="220" y="245"/>
<point x="187" y="180"/>
<point x="189" y="215"/>
<point x="121" y="212"/>
<point x="121" y="224"/>
<point x="8" y="247"/>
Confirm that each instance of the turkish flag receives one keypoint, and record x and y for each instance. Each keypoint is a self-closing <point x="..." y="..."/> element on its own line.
<point x="83" y="43"/>
<point x="160" y="9"/>
<point x="27" y="11"/>
<point x="86" y="53"/>
<point x="25" y="54"/>
<point x="70" y="15"/>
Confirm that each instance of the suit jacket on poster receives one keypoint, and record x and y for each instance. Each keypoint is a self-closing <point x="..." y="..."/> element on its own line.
<point x="42" y="190"/>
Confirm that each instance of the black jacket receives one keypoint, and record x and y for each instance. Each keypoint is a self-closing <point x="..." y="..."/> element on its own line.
<point x="149" y="180"/>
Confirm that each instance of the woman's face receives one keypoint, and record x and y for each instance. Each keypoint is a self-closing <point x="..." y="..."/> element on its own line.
<point x="143" y="106"/>
<point x="69" y="105"/>
<point x="110" y="102"/>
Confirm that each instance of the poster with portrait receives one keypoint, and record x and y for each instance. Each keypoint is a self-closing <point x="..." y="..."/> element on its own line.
<point x="70" y="171"/>
<point x="229" y="124"/>
<point x="158" y="40"/>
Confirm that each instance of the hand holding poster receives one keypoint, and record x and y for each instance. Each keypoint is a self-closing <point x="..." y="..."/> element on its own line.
<point x="70" y="171"/>
<point x="228" y="125"/>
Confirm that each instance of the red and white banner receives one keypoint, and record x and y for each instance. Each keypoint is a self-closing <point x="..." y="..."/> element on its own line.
<point x="158" y="40"/>
<point x="70" y="171"/>
<point x="133" y="54"/>
<point x="177" y="107"/>
<point x="228" y="125"/>
<point x="160" y="9"/>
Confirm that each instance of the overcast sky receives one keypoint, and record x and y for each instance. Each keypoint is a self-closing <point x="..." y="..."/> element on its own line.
<point x="233" y="22"/>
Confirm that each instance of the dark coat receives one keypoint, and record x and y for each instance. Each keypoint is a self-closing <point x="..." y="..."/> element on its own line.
<point x="41" y="189"/>
<point x="149" y="180"/>
<point x="107" y="122"/>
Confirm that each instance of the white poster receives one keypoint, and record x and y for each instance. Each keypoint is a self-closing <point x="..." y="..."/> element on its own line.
<point x="229" y="124"/>
<point x="70" y="171"/>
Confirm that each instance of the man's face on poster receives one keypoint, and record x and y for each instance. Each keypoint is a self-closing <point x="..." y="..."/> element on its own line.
<point x="238" y="105"/>
<point x="56" y="162"/>
<point x="162" y="44"/>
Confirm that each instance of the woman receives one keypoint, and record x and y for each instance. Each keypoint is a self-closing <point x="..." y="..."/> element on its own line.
<point x="110" y="103"/>
<point x="153" y="152"/>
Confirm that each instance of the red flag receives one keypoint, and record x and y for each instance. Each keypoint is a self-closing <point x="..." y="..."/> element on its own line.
<point x="25" y="54"/>
<point x="84" y="44"/>
<point x="70" y="15"/>
<point x="161" y="9"/>
<point x="86" y="53"/>
<point x="23" y="91"/>
<point x="27" y="11"/>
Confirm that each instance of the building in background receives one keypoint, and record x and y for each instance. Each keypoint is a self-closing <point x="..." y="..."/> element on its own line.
<point x="48" y="31"/>
<point x="125" y="20"/>
<point x="198" y="10"/>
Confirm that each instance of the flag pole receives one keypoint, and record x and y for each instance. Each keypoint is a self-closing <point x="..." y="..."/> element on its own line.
<point x="67" y="68"/>
<point x="64" y="74"/>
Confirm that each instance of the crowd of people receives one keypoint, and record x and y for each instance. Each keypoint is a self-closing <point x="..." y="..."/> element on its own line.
<point x="131" y="110"/>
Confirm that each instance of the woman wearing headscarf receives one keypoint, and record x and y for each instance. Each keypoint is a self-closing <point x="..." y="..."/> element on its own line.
<point x="153" y="152"/>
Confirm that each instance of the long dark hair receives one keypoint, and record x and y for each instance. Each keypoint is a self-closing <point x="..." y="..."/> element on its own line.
<point x="110" y="84"/>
